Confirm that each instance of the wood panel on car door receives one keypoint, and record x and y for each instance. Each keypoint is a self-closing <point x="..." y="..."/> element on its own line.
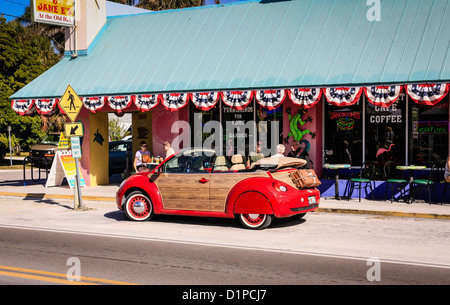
<point x="222" y="183"/>
<point x="184" y="191"/>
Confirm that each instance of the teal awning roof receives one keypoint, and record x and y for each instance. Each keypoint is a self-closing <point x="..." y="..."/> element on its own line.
<point x="252" y="45"/>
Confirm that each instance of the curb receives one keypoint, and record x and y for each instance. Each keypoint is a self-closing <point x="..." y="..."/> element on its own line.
<point x="385" y="213"/>
<point x="43" y="195"/>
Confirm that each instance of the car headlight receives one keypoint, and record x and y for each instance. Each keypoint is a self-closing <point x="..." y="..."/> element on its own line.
<point x="283" y="188"/>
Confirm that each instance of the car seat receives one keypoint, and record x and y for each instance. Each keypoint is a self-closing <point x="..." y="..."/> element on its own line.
<point x="238" y="163"/>
<point x="220" y="164"/>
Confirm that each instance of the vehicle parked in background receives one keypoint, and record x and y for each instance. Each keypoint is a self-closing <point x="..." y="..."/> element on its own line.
<point x="42" y="154"/>
<point x="118" y="157"/>
<point x="195" y="182"/>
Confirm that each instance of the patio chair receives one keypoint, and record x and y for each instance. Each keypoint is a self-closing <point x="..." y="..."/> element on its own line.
<point x="393" y="182"/>
<point x="424" y="184"/>
<point x="364" y="180"/>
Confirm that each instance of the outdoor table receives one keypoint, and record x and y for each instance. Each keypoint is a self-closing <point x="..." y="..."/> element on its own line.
<point x="336" y="168"/>
<point x="152" y="165"/>
<point x="411" y="169"/>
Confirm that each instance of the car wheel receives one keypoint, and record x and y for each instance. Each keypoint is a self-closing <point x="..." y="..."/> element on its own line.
<point x="138" y="207"/>
<point x="255" y="221"/>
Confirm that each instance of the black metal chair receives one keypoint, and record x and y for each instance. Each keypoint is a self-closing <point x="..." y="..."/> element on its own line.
<point x="424" y="184"/>
<point x="364" y="180"/>
<point x="393" y="182"/>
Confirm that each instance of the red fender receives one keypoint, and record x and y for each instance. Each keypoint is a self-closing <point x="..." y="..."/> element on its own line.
<point x="252" y="202"/>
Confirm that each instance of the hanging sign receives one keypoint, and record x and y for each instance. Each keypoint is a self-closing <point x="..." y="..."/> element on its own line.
<point x="56" y="12"/>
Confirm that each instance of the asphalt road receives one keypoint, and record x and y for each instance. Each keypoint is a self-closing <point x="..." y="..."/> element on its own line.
<point x="148" y="261"/>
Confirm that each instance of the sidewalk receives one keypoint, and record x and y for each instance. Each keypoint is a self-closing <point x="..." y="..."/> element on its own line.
<point x="107" y="193"/>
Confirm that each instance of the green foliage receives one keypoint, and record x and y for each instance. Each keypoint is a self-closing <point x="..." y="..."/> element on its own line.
<point x="24" y="55"/>
<point x="116" y="131"/>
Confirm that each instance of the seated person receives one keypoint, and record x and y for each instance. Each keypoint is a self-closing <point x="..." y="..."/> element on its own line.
<point x="298" y="150"/>
<point x="141" y="158"/>
<point x="255" y="155"/>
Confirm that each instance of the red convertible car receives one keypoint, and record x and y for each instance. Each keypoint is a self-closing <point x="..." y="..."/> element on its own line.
<point x="195" y="182"/>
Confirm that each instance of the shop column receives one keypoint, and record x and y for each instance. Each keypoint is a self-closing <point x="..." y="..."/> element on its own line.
<point x="98" y="148"/>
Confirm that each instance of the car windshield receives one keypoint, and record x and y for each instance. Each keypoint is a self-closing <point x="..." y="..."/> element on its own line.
<point x="51" y="139"/>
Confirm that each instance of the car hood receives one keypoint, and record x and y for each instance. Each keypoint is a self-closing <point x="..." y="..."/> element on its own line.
<point x="43" y="147"/>
<point x="276" y="163"/>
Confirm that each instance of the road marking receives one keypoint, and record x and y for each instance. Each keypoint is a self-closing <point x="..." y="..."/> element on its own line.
<point x="54" y="277"/>
<point x="208" y="244"/>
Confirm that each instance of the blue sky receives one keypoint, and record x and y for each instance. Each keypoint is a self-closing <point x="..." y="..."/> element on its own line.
<point x="13" y="7"/>
<point x="17" y="7"/>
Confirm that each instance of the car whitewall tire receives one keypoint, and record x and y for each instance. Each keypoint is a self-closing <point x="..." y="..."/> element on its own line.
<point x="138" y="207"/>
<point x="255" y="221"/>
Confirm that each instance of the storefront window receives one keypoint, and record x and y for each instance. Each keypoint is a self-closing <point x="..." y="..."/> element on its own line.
<point x="429" y="133"/>
<point x="241" y="129"/>
<point x="385" y="132"/>
<point x="343" y="134"/>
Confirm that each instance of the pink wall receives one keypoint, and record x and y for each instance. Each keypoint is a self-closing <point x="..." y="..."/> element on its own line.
<point x="162" y="121"/>
<point x="315" y="152"/>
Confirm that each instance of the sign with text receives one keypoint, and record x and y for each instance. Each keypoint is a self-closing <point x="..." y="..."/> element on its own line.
<point x="76" y="147"/>
<point x="69" y="167"/>
<point x="56" y="12"/>
<point x="63" y="166"/>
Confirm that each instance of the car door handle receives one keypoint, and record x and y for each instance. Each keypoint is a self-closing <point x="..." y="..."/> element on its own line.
<point x="203" y="180"/>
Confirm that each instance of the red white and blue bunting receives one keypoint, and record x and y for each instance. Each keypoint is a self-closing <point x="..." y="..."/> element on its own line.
<point x="23" y="107"/>
<point x="93" y="104"/>
<point x="427" y="94"/>
<point x="206" y="100"/>
<point x="145" y="102"/>
<point x="46" y="107"/>
<point x="304" y="97"/>
<point x="269" y="99"/>
<point x="175" y="101"/>
<point x="237" y="99"/>
<point x="382" y="96"/>
<point x="119" y="103"/>
<point x="343" y="96"/>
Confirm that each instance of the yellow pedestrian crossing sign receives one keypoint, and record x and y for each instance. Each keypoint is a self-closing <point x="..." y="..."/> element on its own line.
<point x="71" y="103"/>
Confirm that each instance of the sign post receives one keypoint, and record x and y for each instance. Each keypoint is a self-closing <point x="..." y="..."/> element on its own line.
<point x="71" y="104"/>
<point x="76" y="154"/>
